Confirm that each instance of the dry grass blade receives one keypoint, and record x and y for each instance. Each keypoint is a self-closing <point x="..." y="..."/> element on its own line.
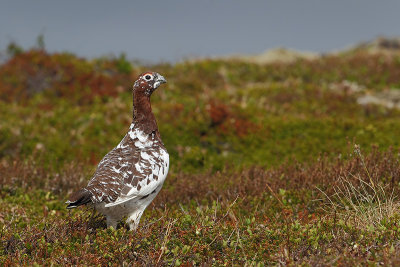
<point x="367" y="204"/>
<point x="166" y="238"/>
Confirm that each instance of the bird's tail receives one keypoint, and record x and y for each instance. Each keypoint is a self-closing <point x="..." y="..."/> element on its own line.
<point x="79" y="198"/>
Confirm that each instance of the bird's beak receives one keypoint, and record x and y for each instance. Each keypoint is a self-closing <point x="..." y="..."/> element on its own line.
<point x="159" y="80"/>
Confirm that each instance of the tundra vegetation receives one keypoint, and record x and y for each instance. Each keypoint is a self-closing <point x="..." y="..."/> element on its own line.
<point x="275" y="163"/>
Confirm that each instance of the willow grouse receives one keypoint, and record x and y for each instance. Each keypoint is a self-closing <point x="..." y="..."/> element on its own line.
<point x="130" y="176"/>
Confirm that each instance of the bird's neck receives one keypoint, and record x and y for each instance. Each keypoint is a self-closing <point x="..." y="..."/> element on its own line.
<point x="143" y="116"/>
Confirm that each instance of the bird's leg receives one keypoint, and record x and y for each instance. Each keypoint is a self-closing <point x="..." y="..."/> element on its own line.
<point x="134" y="219"/>
<point x="112" y="222"/>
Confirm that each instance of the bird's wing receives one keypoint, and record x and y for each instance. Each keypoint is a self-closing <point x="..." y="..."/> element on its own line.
<point x="129" y="171"/>
<point x="145" y="176"/>
<point x="107" y="182"/>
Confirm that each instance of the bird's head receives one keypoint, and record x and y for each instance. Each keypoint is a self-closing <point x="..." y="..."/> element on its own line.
<point x="148" y="82"/>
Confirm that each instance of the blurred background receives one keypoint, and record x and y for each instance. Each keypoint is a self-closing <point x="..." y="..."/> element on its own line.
<point x="258" y="83"/>
<point x="174" y="30"/>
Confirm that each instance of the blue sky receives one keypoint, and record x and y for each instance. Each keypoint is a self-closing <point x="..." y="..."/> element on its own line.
<point x="172" y="30"/>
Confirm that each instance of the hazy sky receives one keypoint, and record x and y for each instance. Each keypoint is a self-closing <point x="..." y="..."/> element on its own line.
<point x="175" y="29"/>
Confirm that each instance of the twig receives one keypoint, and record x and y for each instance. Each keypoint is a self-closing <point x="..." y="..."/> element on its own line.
<point x="167" y="233"/>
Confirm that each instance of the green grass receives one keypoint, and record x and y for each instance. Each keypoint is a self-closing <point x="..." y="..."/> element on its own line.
<point x="258" y="156"/>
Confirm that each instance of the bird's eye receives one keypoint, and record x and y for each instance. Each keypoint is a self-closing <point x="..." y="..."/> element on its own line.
<point x="148" y="77"/>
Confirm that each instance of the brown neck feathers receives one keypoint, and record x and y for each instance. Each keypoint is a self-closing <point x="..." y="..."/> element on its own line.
<point x="143" y="116"/>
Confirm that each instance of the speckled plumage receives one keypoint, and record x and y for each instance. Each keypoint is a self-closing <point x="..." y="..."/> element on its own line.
<point x="130" y="176"/>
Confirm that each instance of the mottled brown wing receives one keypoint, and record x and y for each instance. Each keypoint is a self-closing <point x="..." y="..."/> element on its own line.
<point x="135" y="168"/>
<point x="112" y="172"/>
<point x="148" y="174"/>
